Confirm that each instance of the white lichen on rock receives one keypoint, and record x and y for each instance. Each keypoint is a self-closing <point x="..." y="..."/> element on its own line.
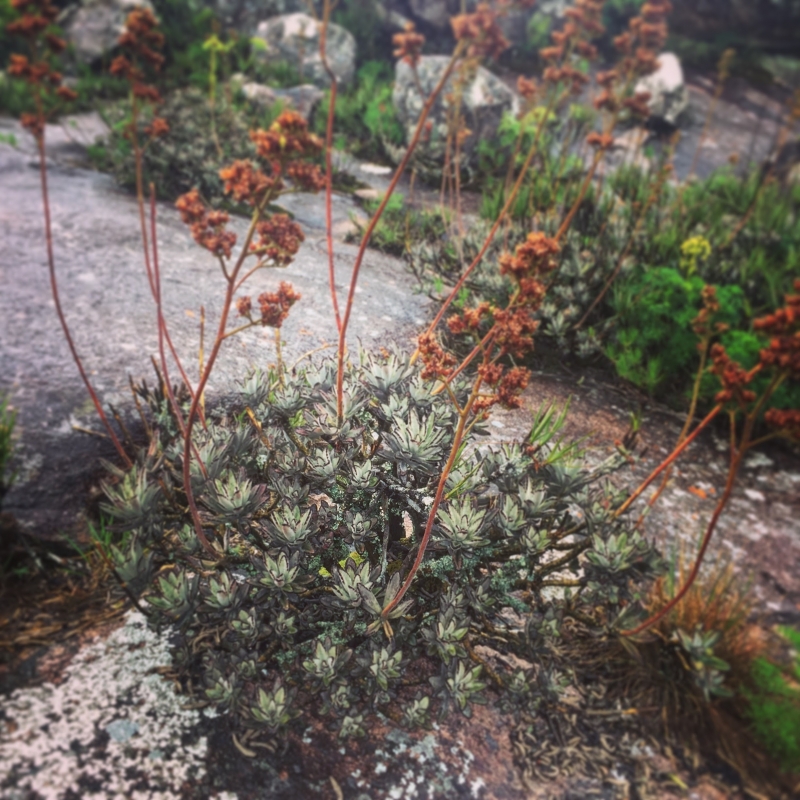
<point x="112" y="728"/>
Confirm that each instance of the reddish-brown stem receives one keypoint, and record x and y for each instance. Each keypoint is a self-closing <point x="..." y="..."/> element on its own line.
<point x="672" y="456"/>
<point x="374" y="221"/>
<point x="459" y="436"/>
<point x="704" y="344"/>
<point x="51" y="265"/>
<point x="152" y="279"/>
<point x="490" y="236"/>
<point x="736" y="460"/>
<point x="328" y="165"/>
<point x="564" y="227"/>
<point x="156" y="285"/>
<point x="219" y="339"/>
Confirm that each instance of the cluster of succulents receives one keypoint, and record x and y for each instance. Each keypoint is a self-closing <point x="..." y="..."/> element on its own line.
<point x="315" y="521"/>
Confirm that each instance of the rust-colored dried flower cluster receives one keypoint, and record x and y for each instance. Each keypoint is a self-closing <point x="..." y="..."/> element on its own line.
<point x="703" y="324"/>
<point x="786" y="422"/>
<point x="583" y="23"/>
<point x="507" y="386"/>
<point x="283" y="150"/>
<point x="141" y="41"/>
<point x="733" y="377"/>
<point x="505" y="331"/>
<point x="273" y="306"/>
<point x="783" y="353"/>
<point x="36" y="16"/>
<point x="248" y="184"/>
<point x="438" y="363"/>
<point x="208" y="227"/>
<point x="481" y="31"/>
<point x="408" y="45"/>
<point x="638" y="47"/>
<point x="279" y="239"/>
<point x="781" y="359"/>
<point x="287" y="138"/>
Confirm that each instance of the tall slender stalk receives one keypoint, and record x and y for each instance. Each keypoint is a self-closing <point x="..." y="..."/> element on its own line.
<point x="51" y="265"/>
<point x="231" y="280"/>
<point x="323" y="39"/>
<point x="498" y="222"/>
<point x="737" y="453"/>
<point x="426" y="109"/>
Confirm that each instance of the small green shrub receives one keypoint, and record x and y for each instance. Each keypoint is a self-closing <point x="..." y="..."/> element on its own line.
<point x="316" y="520"/>
<point x="774" y="705"/>
<point x="653" y="341"/>
<point x="185" y="158"/>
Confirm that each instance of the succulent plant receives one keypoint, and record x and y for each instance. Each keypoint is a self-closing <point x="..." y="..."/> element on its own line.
<point x="315" y="523"/>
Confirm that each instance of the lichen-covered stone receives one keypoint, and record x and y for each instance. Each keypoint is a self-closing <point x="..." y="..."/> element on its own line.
<point x="294" y="39"/>
<point x="94" y="26"/>
<point x="669" y="96"/>
<point x="484" y="100"/>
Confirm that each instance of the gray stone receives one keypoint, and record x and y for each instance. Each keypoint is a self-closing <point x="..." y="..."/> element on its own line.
<point x="434" y="12"/>
<point x="259" y="94"/>
<point x="485" y="99"/>
<point x="302" y="99"/>
<point x="294" y="39"/>
<point x="244" y="15"/>
<point x="669" y="96"/>
<point x="94" y="27"/>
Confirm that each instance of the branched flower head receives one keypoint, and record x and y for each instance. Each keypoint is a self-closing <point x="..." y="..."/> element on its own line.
<point x="279" y="239"/>
<point x="438" y="363"/>
<point x="274" y="306"/>
<point x="481" y="31"/>
<point x="208" y="227"/>
<point x="533" y="257"/>
<point x="140" y="41"/>
<point x="408" y="45"/>
<point x="287" y="137"/>
<point x="783" y="326"/>
<point x="38" y="71"/>
<point x="732" y="376"/>
<point x="246" y="183"/>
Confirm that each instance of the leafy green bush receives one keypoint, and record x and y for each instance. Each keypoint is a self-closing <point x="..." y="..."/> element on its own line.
<point x="653" y="341"/>
<point x="774" y="705"/>
<point x="188" y="156"/>
<point x="653" y="344"/>
<point x="315" y="521"/>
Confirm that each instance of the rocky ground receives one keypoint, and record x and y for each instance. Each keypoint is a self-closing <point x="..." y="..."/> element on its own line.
<point x="98" y="715"/>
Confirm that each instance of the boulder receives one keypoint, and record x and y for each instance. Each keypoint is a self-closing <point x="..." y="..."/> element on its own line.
<point x="94" y="26"/>
<point x="294" y="39"/>
<point x="244" y="15"/>
<point x="302" y="99"/>
<point x="514" y="22"/>
<point x="484" y="101"/>
<point x="434" y="12"/>
<point x="669" y="96"/>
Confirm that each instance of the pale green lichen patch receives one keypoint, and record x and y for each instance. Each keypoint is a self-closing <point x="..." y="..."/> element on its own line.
<point x="112" y="727"/>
